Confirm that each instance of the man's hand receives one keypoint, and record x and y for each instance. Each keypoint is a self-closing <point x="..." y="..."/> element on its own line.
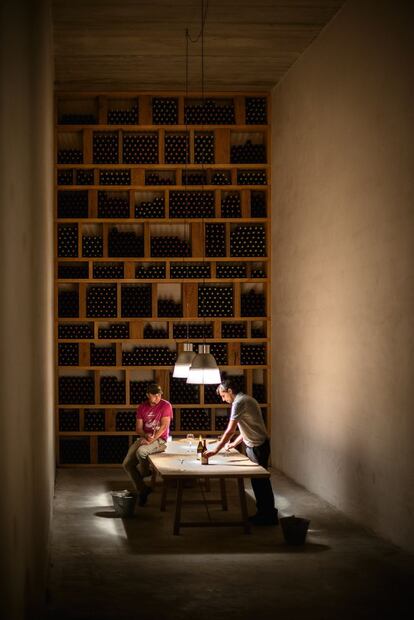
<point x="210" y="453"/>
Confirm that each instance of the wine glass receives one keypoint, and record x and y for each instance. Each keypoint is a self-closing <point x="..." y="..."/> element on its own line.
<point x="190" y="439"/>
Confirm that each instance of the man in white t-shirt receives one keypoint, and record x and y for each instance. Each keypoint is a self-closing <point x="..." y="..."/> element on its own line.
<point x="153" y="422"/>
<point x="247" y="417"/>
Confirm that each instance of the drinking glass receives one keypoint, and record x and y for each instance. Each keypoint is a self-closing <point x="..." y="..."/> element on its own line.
<point x="190" y="440"/>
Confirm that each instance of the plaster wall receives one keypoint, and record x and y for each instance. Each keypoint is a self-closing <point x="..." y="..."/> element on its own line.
<point x="342" y="267"/>
<point x="26" y="310"/>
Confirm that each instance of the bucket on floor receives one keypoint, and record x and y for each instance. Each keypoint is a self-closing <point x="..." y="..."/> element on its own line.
<point x="124" y="502"/>
<point x="294" y="529"/>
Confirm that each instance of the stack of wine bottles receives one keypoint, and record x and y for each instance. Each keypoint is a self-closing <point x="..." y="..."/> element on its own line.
<point x="148" y="356"/>
<point x="215" y="301"/>
<point x="252" y="354"/>
<point x="194" y="178"/>
<point x="251" y="177"/>
<point x="84" y="176"/>
<point x="248" y="153"/>
<point x="125" y="421"/>
<point x="68" y="303"/>
<point x="77" y="119"/>
<point x="155" y="178"/>
<point x="257" y="204"/>
<point x="231" y="270"/>
<point x="176" y="148"/>
<point x="109" y="271"/>
<point x="65" y="177"/>
<point x="112" y="390"/>
<point x="155" y="333"/>
<point x="230" y="205"/>
<point x="92" y="246"/>
<point x="221" y="421"/>
<point x="136" y="300"/>
<point x="210" y="395"/>
<point x="70" y="156"/>
<point x="140" y="148"/>
<point x="256" y="111"/>
<point x="115" y="206"/>
<point x="116" y="330"/>
<point x="138" y="391"/>
<point x="74" y="451"/>
<point x="258" y="272"/>
<point x="115" y="177"/>
<point x="259" y="392"/>
<point x="191" y="204"/>
<point x="209" y="112"/>
<point x="112" y="449"/>
<point x="72" y="204"/>
<point x="221" y="177"/>
<point x="68" y="354"/>
<point x="73" y="272"/>
<point x="183" y="393"/>
<point x="252" y="304"/>
<point x="169" y="246"/>
<point x="150" y="271"/>
<point x="189" y="270"/>
<point x="169" y="307"/>
<point x="94" y="420"/>
<point x="154" y="208"/>
<point x="67" y="240"/>
<point x="101" y="301"/>
<point x="164" y="111"/>
<point x="78" y="331"/>
<point x="219" y="352"/>
<point x="248" y="240"/>
<point x="105" y="147"/>
<point x="195" y="420"/>
<point x="204" y="148"/>
<point x="233" y="330"/>
<point x="76" y="390"/>
<point x="125" y="243"/>
<point x="193" y="330"/>
<point x="69" y="420"/>
<point x="118" y="116"/>
<point x="103" y="356"/>
<point x="215" y="241"/>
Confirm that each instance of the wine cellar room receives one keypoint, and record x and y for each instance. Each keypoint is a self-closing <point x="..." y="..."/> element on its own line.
<point x="236" y="175"/>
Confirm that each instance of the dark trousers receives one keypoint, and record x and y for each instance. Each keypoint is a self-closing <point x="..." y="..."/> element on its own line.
<point x="262" y="487"/>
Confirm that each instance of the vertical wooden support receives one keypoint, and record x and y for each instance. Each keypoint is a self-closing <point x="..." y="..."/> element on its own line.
<point x="197" y="239"/>
<point x="236" y="299"/>
<point x="145" y="110"/>
<point x="190" y="299"/>
<point x="245" y="202"/>
<point x="222" y="146"/>
<point x="82" y="300"/>
<point x="103" y="110"/>
<point x="87" y="146"/>
<point x="239" y="110"/>
<point x="154" y="299"/>
<point x="93" y="203"/>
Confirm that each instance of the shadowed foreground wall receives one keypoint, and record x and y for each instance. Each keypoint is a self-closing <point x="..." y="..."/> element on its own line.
<point x="343" y="256"/>
<point x="26" y="328"/>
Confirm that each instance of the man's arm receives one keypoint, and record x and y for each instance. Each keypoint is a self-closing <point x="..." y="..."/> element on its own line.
<point x="234" y="443"/>
<point x="139" y="427"/>
<point x="228" y="433"/>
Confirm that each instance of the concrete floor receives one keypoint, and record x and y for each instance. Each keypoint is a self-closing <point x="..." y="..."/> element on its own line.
<point x="106" y="567"/>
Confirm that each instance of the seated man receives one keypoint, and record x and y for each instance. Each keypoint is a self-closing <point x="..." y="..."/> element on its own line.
<point x="153" y="423"/>
<point x="246" y="415"/>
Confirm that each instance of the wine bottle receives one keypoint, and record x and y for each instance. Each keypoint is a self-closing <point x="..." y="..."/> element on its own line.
<point x="200" y="448"/>
<point x="204" y="457"/>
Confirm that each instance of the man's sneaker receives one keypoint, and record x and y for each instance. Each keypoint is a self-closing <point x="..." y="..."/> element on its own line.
<point x="259" y="519"/>
<point x="143" y="496"/>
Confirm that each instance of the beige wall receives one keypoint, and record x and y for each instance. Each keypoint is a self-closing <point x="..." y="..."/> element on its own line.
<point x="343" y="257"/>
<point x="26" y="263"/>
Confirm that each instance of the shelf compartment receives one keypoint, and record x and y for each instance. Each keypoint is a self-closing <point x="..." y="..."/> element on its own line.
<point x="140" y="148"/>
<point x="149" y="205"/>
<point x="248" y="148"/>
<point x="72" y="204"/>
<point x="113" y="205"/>
<point x="121" y="111"/>
<point x="79" y="111"/>
<point x="70" y="147"/>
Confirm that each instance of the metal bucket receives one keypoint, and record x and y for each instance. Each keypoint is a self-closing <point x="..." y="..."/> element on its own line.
<point x="294" y="529"/>
<point x="124" y="503"/>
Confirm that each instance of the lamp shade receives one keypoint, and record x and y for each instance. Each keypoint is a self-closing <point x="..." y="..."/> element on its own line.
<point x="203" y="367"/>
<point x="183" y="363"/>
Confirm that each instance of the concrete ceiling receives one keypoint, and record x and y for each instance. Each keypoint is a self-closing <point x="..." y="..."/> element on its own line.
<point x="140" y="44"/>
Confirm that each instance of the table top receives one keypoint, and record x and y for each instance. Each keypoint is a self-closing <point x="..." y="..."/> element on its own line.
<point x="225" y="464"/>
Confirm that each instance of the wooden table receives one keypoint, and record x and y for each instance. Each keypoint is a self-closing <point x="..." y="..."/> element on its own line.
<point x="178" y="464"/>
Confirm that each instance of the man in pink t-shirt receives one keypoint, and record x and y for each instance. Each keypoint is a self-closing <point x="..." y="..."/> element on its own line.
<point x="153" y="423"/>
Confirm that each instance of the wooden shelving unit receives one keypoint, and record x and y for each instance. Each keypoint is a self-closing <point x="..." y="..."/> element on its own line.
<point x="126" y="199"/>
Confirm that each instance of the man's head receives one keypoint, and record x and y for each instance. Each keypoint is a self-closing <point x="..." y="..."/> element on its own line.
<point x="228" y="390"/>
<point x="154" y="393"/>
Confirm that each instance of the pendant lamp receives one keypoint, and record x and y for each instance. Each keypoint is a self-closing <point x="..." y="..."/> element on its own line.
<point x="184" y="360"/>
<point x="204" y="368"/>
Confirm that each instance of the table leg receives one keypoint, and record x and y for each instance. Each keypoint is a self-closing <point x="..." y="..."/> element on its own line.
<point x="164" y="495"/>
<point x="223" y="494"/>
<point x="178" y="501"/>
<point x="243" y="505"/>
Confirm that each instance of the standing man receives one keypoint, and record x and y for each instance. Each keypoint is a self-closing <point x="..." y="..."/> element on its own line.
<point x="153" y="422"/>
<point x="247" y="416"/>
